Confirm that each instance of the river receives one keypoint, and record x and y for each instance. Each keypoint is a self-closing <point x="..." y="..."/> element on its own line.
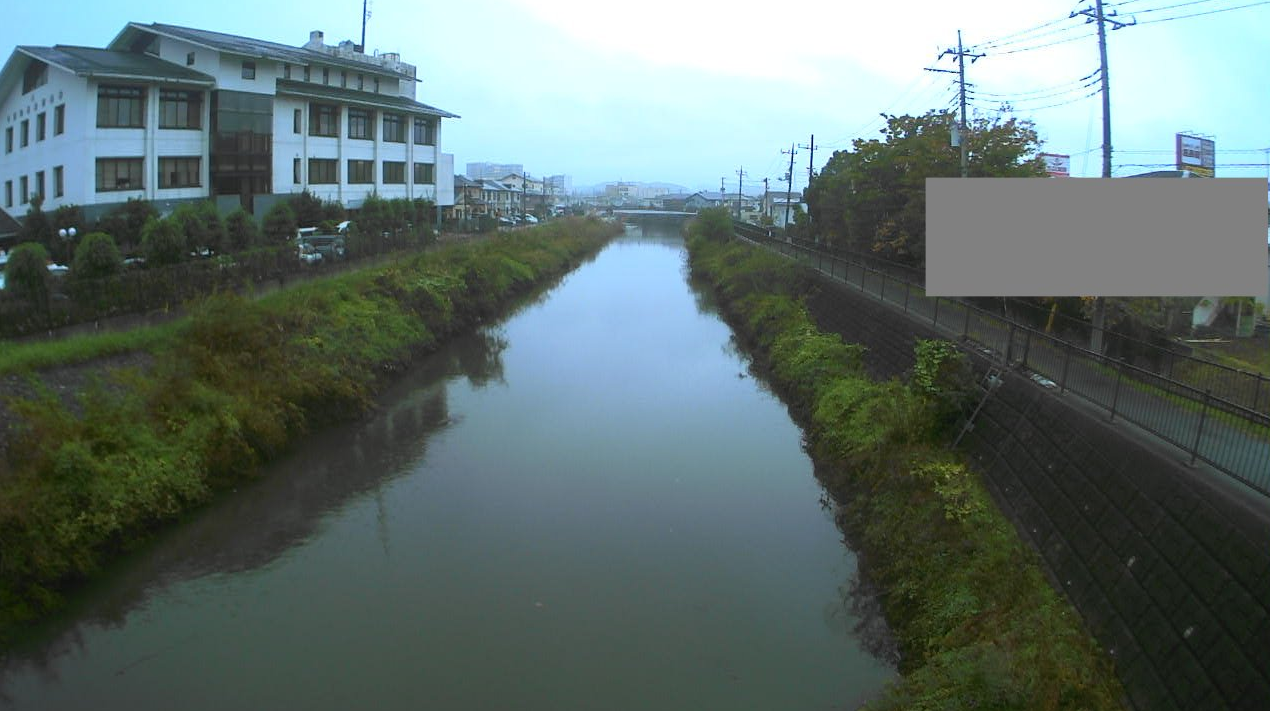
<point x="592" y="504"/>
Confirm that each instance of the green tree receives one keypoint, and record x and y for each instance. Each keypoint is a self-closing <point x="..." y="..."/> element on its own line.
<point x="37" y="228"/>
<point x="96" y="257"/>
<point x="714" y="223"/>
<point x="280" y="223"/>
<point x="162" y="242"/>
<point x="27" y="276"/>
<point x="126" y="223"/>
<point x="241" y="231"/>
<point x="308" y="208"/>
<point x="873" y="197"/>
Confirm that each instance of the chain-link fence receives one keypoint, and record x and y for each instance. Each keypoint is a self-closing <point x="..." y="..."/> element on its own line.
<point x="1215" y="414"/>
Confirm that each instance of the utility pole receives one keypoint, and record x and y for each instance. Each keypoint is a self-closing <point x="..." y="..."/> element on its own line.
<point x="811" y="158"/>
<point x="789" y="183"/>
<point x="765" y="190"/>
<point x="960" y="53"/>
<point x="723" y="194"/>
<point x="524" y="184"/>
<point x="365" y="17"/>
<point x="1096" y="14"/>
<point x="739" y="174"/>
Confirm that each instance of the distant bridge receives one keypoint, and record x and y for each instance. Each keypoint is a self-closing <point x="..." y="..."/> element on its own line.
<point x="652" y="215"/>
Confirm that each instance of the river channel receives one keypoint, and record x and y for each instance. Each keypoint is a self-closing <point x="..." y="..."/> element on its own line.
<point x="592" y="504"/>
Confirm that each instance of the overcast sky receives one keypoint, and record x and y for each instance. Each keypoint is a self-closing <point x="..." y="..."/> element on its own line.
<point x="689" y="92"/>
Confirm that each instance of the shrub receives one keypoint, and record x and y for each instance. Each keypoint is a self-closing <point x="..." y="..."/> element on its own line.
<point x="27" y="276"/>
<point x="96" y="257"/>
<point x="280" y="223"/>
<point x="127" y="222"/>
<point x="713" y="223"/>
<point x="162" y="242"/>
<point x="241" y="232"/>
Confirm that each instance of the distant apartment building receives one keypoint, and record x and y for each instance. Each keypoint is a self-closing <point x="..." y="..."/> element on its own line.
<point x="493" y="171"/>
<point x="560" y="185"/>
<point x="170" y="114"/>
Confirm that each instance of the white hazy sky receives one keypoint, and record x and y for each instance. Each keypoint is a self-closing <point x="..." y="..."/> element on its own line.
<point x="689" y="92"/>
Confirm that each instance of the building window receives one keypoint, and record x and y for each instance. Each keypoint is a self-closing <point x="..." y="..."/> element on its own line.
<point x="39" y="183"/>
<point x="425" y="174"/>
<point x="394" y="128"/>
<point x="24" y="194"/>
<point x="58" y="186"/>
<point x="326" y="75"/>
<point x="323" y="171"/>
<point x="324" y="120"/>
<point x="394" y="172"/>
<point x="425" y="132"/>
<point x="361" y="124"/>
<point x="361" y="171"/>
<point x="376" y="85"/>
<point x="35" y="76"/>
<point x="8" y="193"/>
<point x="286" y="70"/>
<point x="189" y="59"/>
<point x="295" y="171"/>
<point x="343" y="80"/>
<point x="40" y="124"/>
<point x="26" y="133"/>
<point x="8" y="140"/>
<point x="121" y="107"/>
<point x="180" y="172"/>
<point x="249" y="70"/>
<point x="296" y="121"/>
<point x="306" y="73"/>
<point x="118" y="174"/>
<point x="361" y="82"/>
<point x="59" y="120"/>
<point x="180" y="109"/>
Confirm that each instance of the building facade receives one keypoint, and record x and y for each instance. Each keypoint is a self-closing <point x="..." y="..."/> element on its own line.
<point x="170" y="114"/>
<point x="492" y="171"/>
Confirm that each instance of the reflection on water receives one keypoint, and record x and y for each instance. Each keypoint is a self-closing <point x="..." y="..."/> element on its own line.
<point x="262" y="519"/>
<point x="591" y="505"/>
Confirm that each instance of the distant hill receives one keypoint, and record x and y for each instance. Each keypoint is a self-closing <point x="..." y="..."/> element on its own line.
<point x="598" y="188"/>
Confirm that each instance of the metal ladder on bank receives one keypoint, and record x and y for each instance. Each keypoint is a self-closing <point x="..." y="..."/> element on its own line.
<point x="988" y="385"/>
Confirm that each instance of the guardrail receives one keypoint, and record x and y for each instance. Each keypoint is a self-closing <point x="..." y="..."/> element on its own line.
<point x="1205" y="423"/>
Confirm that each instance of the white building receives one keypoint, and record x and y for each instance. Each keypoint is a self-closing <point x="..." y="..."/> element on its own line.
<point x="492" y="171"/>
<point x="169" y="113"/>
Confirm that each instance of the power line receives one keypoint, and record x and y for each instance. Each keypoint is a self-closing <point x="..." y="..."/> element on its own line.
<point x="1209" y="12"/>
<point x="1055" y="87"/>
<point x="1023" y="40"/>
<point x="1048" y="44"/>
<point x="1170" y="7"/>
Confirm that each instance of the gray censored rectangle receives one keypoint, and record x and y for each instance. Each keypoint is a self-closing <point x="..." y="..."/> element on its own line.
<point x="1096" y="237"/>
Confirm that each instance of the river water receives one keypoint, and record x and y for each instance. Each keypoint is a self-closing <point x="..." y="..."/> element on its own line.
<point x="590" y="505"/>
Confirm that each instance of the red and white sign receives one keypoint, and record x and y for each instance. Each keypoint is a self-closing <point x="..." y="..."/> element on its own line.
<point x="1058" y="166"/>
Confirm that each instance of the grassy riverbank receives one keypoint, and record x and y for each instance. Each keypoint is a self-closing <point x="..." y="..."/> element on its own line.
<point x="210" y="398"/>
<point x="977" y="622"/>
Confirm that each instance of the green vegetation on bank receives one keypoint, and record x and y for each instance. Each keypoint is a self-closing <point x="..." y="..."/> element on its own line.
<point x="227" y="389"/>
<point x="977" y="622"/>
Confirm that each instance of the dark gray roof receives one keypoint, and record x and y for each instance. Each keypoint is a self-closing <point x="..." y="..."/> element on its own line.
<point x="90" y="61"/>
<point x="248" y="47"/>
<point x="291" y="87"/>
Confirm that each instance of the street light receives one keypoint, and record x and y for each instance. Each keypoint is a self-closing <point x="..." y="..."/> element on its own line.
<point x="67" y="234"/>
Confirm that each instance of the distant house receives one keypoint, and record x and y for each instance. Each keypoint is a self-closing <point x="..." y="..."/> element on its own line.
<point x="673" y="201"/>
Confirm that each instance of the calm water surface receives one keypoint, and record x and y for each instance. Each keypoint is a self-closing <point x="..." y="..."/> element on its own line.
<point x="591" y="505"/>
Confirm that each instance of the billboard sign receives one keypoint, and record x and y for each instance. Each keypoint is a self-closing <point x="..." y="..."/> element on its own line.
<point x="1058" y="166"/>
<point x="1198" y="155"/>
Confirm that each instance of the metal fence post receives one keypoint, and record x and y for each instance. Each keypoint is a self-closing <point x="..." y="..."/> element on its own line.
<point x="1009" y="344"/>
<point x="1256" y="393"/>
<point x="907" y="289"/>
<point x="1067" y="359"/>
<point x="882" y="296"/>
<point x="1115" y="396"/>
<point x="935" y="321"/>
<point x="965" y="328"/>
<point x="1027" y="344"/>
<point x="1199" y="430"/>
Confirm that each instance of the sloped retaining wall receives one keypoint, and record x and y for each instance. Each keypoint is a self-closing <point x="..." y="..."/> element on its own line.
<point x="1169" y="565"/>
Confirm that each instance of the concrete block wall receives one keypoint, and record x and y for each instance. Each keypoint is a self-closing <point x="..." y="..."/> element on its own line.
<point x="1168" y="565"/>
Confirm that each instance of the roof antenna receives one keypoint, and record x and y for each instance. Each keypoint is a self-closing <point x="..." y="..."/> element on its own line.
<point x="365" y="17"/>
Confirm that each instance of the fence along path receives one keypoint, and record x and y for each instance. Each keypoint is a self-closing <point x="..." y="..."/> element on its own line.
<point x="1206" y="426"/>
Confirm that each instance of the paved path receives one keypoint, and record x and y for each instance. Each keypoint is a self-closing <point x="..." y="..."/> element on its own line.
<point x="1234" y="446"/>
